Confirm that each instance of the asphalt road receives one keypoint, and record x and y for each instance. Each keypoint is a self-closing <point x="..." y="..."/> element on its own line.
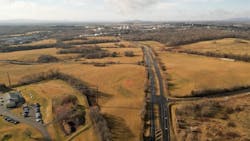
<point x="161" y="100"/>
<point x="153" y="92"/>
<point x="41" y="128"/>
<point x="164" y="102"/>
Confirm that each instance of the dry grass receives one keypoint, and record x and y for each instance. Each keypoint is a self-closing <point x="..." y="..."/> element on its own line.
<point x="17" y="132"/>
<point x="32" y="55"/>
<point x="224" y="46"/>
<point x="81" y="41"/>
<point x="190" y="72"/>
<point x="157" y="46"/>
<point x="41" y="42"/>
<point x="124" y="85"/>
<point x="44" y="93"/>
<point x="230" y="123"/>
<point x="74" y="41"/>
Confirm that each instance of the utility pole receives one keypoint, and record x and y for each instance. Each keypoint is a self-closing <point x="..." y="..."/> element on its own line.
<point x="8" y="75"/>
<point x="97" y="93"/>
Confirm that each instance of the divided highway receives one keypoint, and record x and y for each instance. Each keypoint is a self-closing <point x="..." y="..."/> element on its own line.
<point x="161" y="101"/>
<point x="151" y="78"/>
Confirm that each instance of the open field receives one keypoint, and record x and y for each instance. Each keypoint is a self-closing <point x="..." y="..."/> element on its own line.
<point x="224" y="46"/>
<point x="218" y="120"/>
<point x="17" y="132"/>
<point x="32" y="55"/>
<point x="84" y="41"/>
<point x="41" y="42"/>
<point x="188" y="73"/>
<point x="157" y="46"/>
<point x="44" y="93"/>
<point x="124" y="85"/>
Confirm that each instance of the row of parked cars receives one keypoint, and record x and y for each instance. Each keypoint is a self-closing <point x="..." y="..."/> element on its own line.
<point x="10" y="120"/>
<point x="36" y="112"/>
<point x="1" y="101"/>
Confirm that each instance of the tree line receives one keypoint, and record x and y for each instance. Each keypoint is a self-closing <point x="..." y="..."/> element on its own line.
<point x="177" y="36"/>
<point x="245" y="58"/>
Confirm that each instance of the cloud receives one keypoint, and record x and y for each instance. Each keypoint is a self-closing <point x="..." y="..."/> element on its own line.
<point x="131" y="6"/>
<point x="77" y="2"/>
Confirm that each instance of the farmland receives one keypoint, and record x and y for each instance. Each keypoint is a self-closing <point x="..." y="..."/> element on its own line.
<point x="145" y="82"/>
<point x="122" y="83"/>
<point x="219" y="73"/>
<point x="219" y="119"/>
<point x="225" y="46"/>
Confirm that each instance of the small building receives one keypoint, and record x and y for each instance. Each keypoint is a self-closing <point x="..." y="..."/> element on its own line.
<point x="13" y="99"/>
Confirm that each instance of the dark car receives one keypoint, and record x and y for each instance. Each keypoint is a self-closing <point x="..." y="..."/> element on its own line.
<point x="37" y="105"/>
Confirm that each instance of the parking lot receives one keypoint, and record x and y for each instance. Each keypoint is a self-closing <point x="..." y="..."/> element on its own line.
<point x="32" y="112"/>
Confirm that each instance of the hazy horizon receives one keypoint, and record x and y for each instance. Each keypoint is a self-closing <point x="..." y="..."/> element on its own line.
<point x="125" y="10"/>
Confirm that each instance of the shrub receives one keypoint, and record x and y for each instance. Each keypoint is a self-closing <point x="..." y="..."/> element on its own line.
<point x="114" y="54"/>
<point x="231" y="124"/>
<point x="232" y="135"/>
<point x="68" y="113"/>
<point x="22" y="48"/>
<point x="96" y="55"/>
<point x="47" y="59"/>
<point x="129" y="53"/>
<point x="80" y="50"/>
<point x="4" y="88"/>
<point x="100" y="124"/>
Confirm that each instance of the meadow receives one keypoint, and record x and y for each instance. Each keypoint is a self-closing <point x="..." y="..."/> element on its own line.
<point x="44" y="93"/>
<point x="218" y="119"/>
<point x="187" y="73"/>
<point x="122" y="84"/>
<point x="225" y="46"/>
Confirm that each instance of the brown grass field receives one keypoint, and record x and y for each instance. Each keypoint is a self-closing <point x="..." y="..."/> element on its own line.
<point x="41" y="42"/>
<point x="124" y="85"/>
<point x="17" y="132"/>
<point x="44" y="93"/>
<point x="225" y="46"/>
<point x="157" y="46"/>
<point x="90" y="38"/>
<point x="229" y="121"/>
<point x="32" y="55"/>
<point x="191" y="72"/>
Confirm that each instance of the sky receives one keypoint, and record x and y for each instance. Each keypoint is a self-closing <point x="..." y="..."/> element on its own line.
<point x="123" y="10"/>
